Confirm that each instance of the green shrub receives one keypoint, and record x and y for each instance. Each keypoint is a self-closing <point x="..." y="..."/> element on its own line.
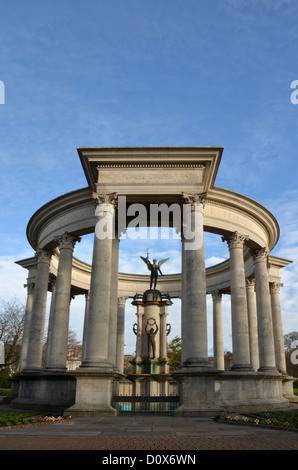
<point x="5" y="381"/>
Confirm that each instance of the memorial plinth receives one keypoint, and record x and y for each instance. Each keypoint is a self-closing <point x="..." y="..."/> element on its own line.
<point x="151" y="364"/>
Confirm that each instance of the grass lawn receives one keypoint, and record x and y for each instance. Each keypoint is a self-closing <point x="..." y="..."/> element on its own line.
<point x="10" y="418"/>
<point x="14" y="418"/>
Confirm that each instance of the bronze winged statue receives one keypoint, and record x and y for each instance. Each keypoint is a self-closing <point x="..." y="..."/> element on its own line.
<point x="154" y="268"/>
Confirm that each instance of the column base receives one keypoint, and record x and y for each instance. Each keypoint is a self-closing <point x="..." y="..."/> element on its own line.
<point x="197" y="364"/>
<point x="94" y="393"/>
<point x="55" y="370"/>
<point x="269" y="371"/>
<point x="288" y="389"/>
<point x="242" y="368"/>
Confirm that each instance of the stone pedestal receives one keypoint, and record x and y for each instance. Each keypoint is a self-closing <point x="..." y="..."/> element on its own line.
<point x="94" y="393"/>
<point x="151" y="333"/>
<point x="151" y="365"/>
<point x="197" y="393"/>
<point x="44" y="392"/>
<point x="242" y="392"/>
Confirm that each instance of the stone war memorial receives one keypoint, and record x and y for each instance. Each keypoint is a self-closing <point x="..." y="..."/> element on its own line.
<point x="164" y="185"/>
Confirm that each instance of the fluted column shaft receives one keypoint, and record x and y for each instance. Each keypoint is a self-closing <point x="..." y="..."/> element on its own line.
<point x="57" y="344"/>
<point x="265" y="328"/>
<point x="240" y="336"/>
<point x="98" y="319"/>
<point x="218" y="343"/>
<point x="252" y="324"/>
<point x="278" y="328"/>
<point x="35" y="344"/>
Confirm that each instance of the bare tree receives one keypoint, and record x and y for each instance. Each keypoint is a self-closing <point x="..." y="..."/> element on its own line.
<point x="289" y="338"/>
<point x="12" y="315"/>
<point x="74" y="350"/>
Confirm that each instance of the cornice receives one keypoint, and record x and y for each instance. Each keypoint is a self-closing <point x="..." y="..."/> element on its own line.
<point x="91" y="157"/>
<point x="217" y="276"/>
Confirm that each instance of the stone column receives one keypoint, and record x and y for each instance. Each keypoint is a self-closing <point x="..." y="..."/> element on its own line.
<point x="196" y="376"/>
<point x="265" y="329"/>
<point x="120" y="333"/>
<point x="57" y="353"/>
<point x="27" y="325"/>
<point x="194" y="311"/>
<point x="98" y="322"/>
<point x="252" y="323"/>
<point x="240" y="336"/>
<point x="183" y="303"/>
<point x="52" y="284"/>
<point x="163" y="350"/>
<point x="277" y="328"/>
<point x="218" y="344"/>
<point x="139" y="332"/>
<point x="87" y="295"/>
<point x="96" y="376"/>
<point x="35" y="344"/>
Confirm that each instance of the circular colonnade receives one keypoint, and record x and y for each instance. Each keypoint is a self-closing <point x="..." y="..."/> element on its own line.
<point x="177" y="177"/>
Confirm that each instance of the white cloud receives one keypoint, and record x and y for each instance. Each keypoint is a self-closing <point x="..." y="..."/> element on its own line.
<point x="12" y="279"/>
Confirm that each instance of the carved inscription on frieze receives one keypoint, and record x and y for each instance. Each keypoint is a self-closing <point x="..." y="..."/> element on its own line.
<point x="228" y="216"/>
<point x="150" y="177"/>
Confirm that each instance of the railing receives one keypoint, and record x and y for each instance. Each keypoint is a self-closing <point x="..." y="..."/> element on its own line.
<point x="144" y="404"/>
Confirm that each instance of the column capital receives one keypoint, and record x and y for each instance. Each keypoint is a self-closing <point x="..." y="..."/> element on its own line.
<point x="105" y="198"/>
<point x="275" y="287"/>
<point x="194" y="198"/>
<point x="235" y="240"/>
<point x="251" y="283"/>
<point x="30" y="287"/>
<point x="122" y="300"/>
<point x="43" y="256"/>
<point x="52" y="282"/>
<point x="216" y="295"/>
<point x="67" y="240"/>
<point x="261" y="255"/>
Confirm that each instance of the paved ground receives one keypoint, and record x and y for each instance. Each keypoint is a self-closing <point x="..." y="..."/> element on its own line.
<point x="145" y="433"/>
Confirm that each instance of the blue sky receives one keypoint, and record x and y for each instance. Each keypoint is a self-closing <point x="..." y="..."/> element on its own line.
<point x="145" y="73"/>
